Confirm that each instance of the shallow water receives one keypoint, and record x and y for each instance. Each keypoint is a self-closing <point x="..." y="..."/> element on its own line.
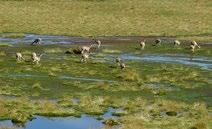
<point x="55" y="39"/>
<point x="56" y="77"/>
<point x="110" y="111"/>
<point x="51" y="39"/>
<point x="75" y="100"/>
<point x="84" y="122"/>
<point x="202" y="62"/>
<point x="46" y="39"/>
<point x="8" y="97"/>
<point x="40" y="122"/>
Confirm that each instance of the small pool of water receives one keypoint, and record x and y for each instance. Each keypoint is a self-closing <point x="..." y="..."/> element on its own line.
<point x="178" y="114"/>
<point x="110" y="111"/>
<point x="75" y="100"/>
<point x="84" y="122"/>
<point x="8" y="97"/>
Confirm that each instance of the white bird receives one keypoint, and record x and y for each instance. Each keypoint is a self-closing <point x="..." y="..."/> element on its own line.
<point x="84" y="56"/>
<point x="122" y="65"/>
<point x="192" y="48"/>
<point x="19" y="56"/>
<point x="176" y="42"/>
<point x="142" y="44"/>
<point x="98" y="43"/>
<point x="35" y="58"/>
<point x="120" y="62"/>
<point x="194" y="43"/>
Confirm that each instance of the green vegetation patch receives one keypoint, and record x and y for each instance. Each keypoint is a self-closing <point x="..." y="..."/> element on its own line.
<point x="163" y="94"/>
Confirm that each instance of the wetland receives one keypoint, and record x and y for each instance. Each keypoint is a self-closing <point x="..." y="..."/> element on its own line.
<point x="161" y="86"/>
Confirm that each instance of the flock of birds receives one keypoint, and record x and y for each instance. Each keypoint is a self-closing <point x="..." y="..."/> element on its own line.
<point x="85" y="51"/>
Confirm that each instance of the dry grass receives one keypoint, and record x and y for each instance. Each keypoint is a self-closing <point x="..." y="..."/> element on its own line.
<point x="109" y="17"/>
<point x="129" y="75"/>
<point x="7" y="127"/>
<point x="12" y="35"/>
<point x="53" y="50"/>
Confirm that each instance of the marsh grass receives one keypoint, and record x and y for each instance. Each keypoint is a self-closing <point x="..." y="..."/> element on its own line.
<point x="110" y="122"/>
<point x="66" y="102"/>
<point x="5" y="45"/>
<point x="7" y="127"/>
<point x="129" y="75"/>
<point x="93" y="105"/>
<point x="109" y="51"/>
<point x="140" y="112"/>
<point x="38" y="87"/>
<point x="144" y="106"/>
<point x="2" y="53"/>
<point x="53" y="50"/>
<point x="12" y="35"/>
<point x="147" y="112"/>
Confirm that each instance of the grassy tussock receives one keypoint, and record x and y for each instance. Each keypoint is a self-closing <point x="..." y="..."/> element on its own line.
<point x="129" y="75"/>
<point x="5" y="45"/>
<point x="2" y="53"/>
<point x="147" y="113"/>
<point x="93" y="105"/>
<point x="138" y="113"/>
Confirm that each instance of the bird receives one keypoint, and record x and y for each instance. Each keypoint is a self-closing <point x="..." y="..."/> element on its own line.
<point x="120" y="62"/>
<point x="84" y="56"/>
<point x="19" y="56"/>
<point x="35" y="58"/>
<point x="122" y="65"/>
<point x="36" y="41"/>
<point x="192" y="48"/>
<point x="98" y="43"/>
<point x="194" y="43"/>
<point x="142" y="44"/>
<point x="176" y="42"/>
